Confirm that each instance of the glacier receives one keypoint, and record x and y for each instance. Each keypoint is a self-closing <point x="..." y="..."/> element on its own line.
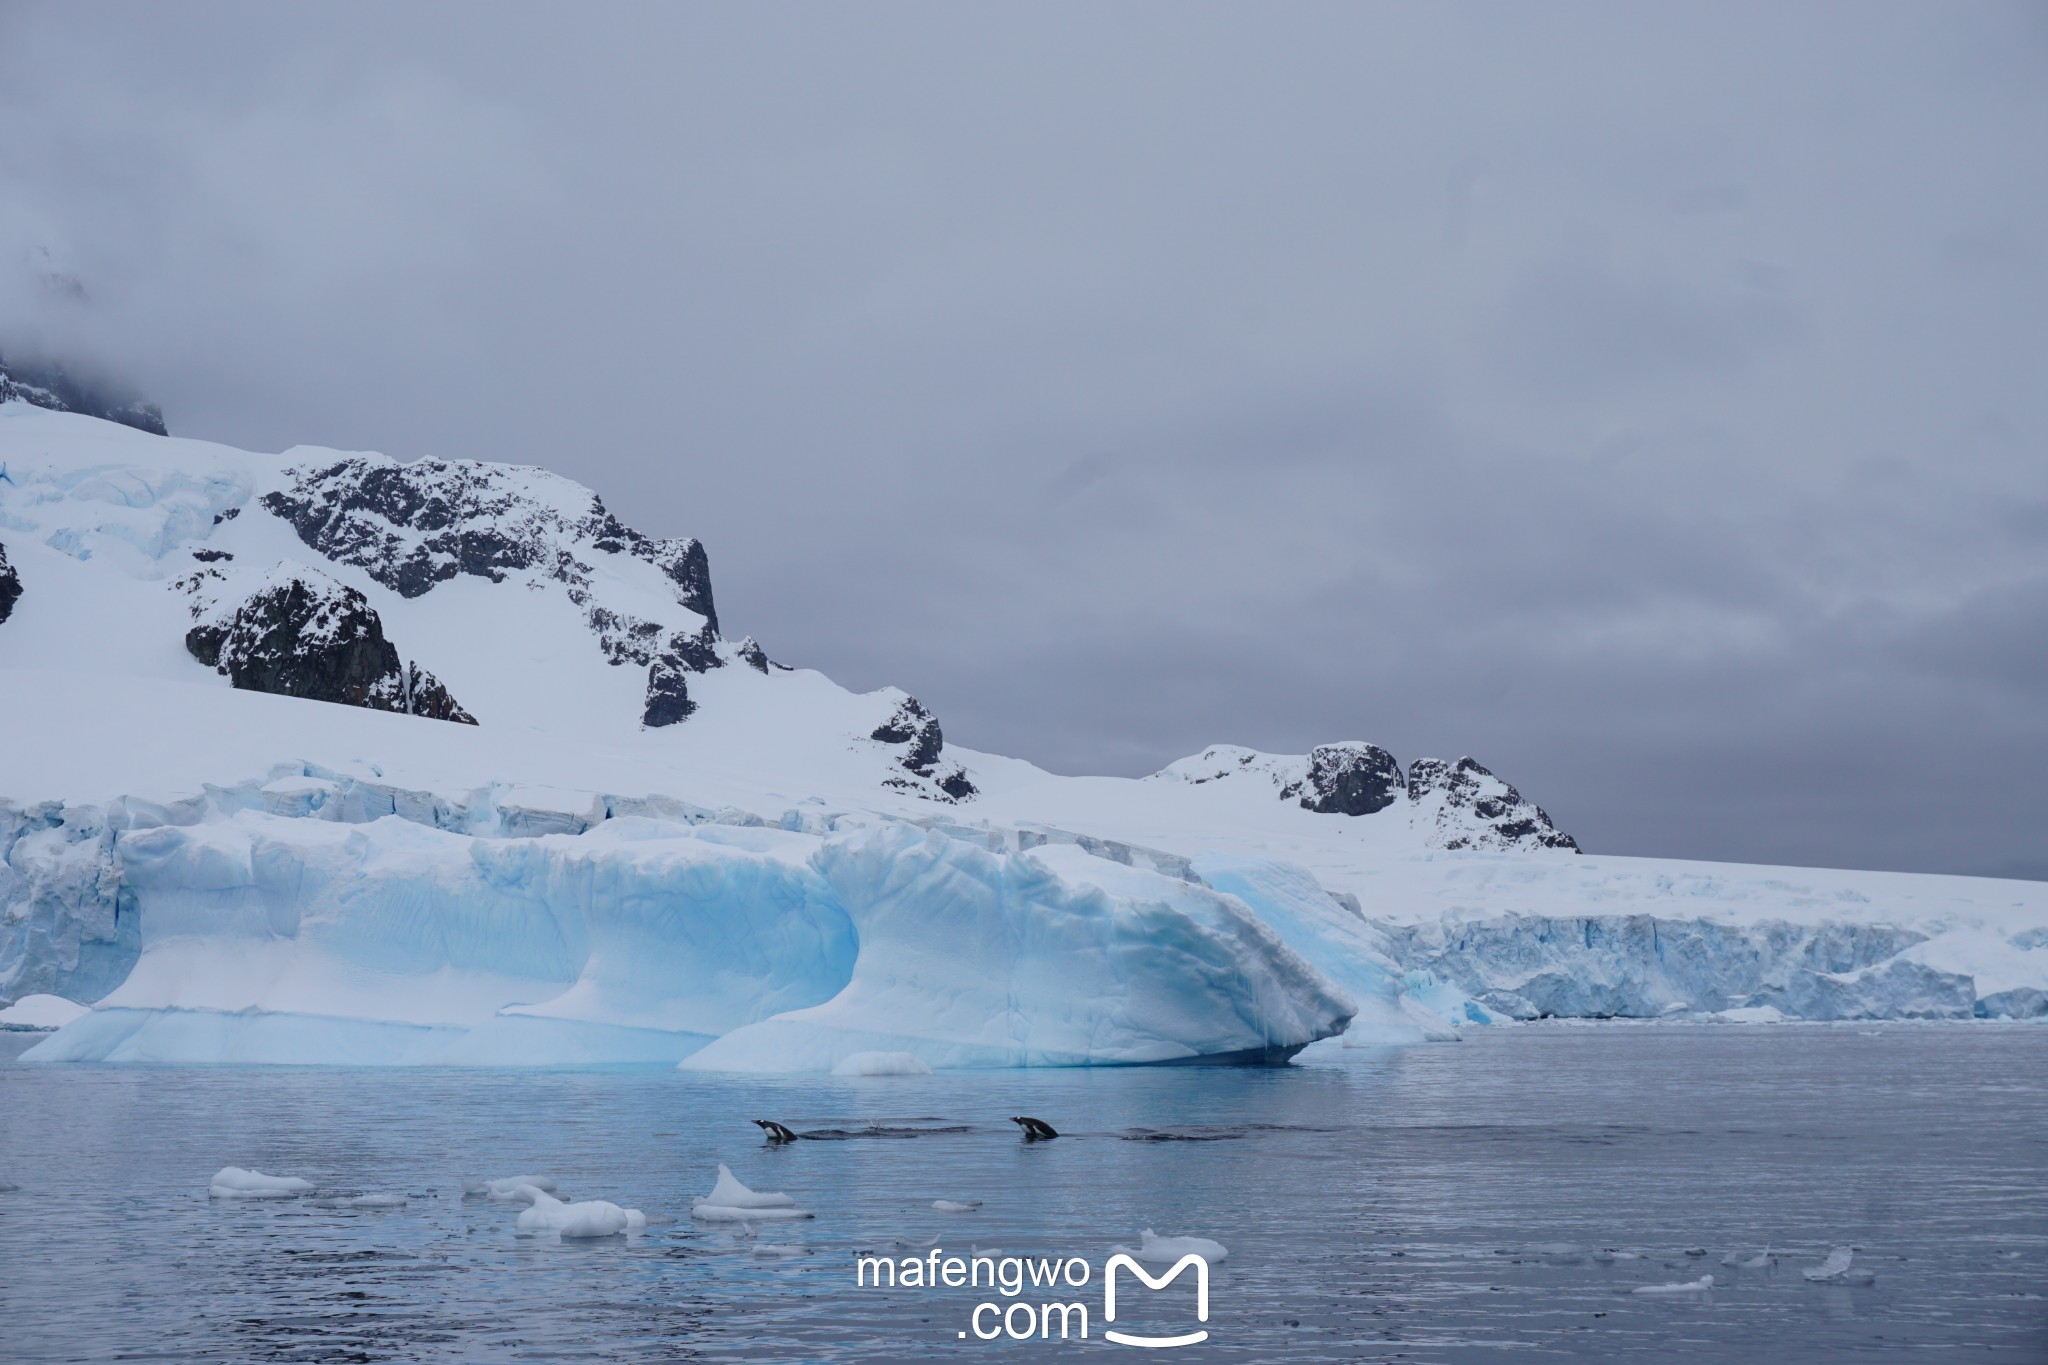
<point x="655" y="846"/>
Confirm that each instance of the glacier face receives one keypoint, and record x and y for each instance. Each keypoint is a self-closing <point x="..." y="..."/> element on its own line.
<point x="1051" y="957"/>
<point x="289" y="933"/>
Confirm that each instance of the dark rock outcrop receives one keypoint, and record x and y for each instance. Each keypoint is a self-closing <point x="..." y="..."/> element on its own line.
<point x="49" y="384"/>
<point x="668" y="693"/>
<point x="1474" y="809"/>
<point x="297" y="633"/>
<point x="1348" y="779"/>
<point x="411" y="526"/>
<point x="10" y="586"/>
<point x="917" y="731"/>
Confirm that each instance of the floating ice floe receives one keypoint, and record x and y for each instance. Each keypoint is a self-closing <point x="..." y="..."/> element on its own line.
<point x="778" y="1251"/>
<point x="882" y="1064"/>
<point x="1152" y="1248"/>
<point x="732" y="1202"/>
<point x="377" y="1201"/>
<point x="590" y="1218"/>
<point x="1736" y="1260"/>
<point x="1609" y="1255"/>
<point x="1833" y="1268"/>
<point x="232" y="1182"/>
<point x="1699" y="1286"/>
<point x="508" y="1190"/>
<point x="956" y="1205"/>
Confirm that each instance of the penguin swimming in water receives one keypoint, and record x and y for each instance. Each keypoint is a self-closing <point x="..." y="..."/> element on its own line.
<point x="775" y="1131"/>
<point x="1035" y="1130"/>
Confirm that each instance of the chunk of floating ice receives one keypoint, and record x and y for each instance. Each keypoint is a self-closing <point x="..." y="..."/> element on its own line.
<point x="729" y="1193"/>
<point x="774" y="1250"/>
<point x="1833" y="1268"/>
<point x="1699" y="1286"/>
<point x="377" y="1201"/>
<point x="882" y="1064"/>
<point x="732" y="1202"/>
<point x="956" y="1205"/>
<point x="507" y="1190"/>
<point x="1695" y="1251"/>
<point x="1760" y="1260"/>
<point x="232" y="1182"/>
<point x="591" y="1218"/>
<point x="1608" y="1256"/>
<point x="1153" y="1248"/>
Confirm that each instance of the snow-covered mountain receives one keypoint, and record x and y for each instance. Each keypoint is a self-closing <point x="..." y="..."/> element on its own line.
<point x="324" y="756"/>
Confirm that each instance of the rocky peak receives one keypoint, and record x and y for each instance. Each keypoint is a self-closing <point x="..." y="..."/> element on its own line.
<point x="1351" y="778"/>
<point x="1451" y="806"/>
<point x="411" y="526"/>
<point x="49" y="384"/>
<point x="1463" y="805"/>
<point x="915" y="731"/>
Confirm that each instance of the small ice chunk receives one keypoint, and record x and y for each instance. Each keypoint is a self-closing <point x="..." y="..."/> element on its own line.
<point x="232" y="1182"/>
<point x="775" y="1250"/>
<point x="377" y="1201"/>
<point x="1833" y="1268"/>
<point x="956" y="1205"/>
<point x="1760" y="1260"/>
<point x="729" y="1193"/>
<point x="507" y="1190"/>
<point x="1609" y="1255"/>
<point x="1695" y="1251"/>
<point x="882" y="1064"/>
<point x="1699" y="1286"/>
<point x="1154" y="1249"/>
<point x="590" y="1218"/>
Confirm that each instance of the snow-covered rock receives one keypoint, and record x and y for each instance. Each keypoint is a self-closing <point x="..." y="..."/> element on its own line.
<point x="1447" y="805"/>
<point x="1463" y="805"/>
<point x="294" y="631"/>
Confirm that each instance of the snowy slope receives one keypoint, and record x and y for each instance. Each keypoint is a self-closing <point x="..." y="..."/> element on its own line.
<point x="653" y="843"/>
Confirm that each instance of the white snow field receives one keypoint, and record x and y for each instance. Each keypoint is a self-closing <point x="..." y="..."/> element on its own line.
<point x="656" y="846"/>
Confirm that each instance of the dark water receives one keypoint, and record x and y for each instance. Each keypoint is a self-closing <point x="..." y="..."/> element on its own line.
<point x="1376" y="1205"/>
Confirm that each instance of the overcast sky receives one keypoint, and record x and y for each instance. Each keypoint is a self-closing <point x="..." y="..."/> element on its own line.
<point x="1649" y="401"/>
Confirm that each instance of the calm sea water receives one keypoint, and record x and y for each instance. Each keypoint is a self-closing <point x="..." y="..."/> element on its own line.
<point x="1377" y="1205"/>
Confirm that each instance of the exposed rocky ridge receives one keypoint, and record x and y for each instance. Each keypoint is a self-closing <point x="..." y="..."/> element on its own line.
<point x="1347" y="779"/>
<point x="411" y="526"/>
<point x="917" y="732"/>
<point x="296" y="632"/>
<point x="50" y="385"/>
<point x="1456" y="805"/>
<point x="10" y="586"/>
<point x="1471" y="808"/>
